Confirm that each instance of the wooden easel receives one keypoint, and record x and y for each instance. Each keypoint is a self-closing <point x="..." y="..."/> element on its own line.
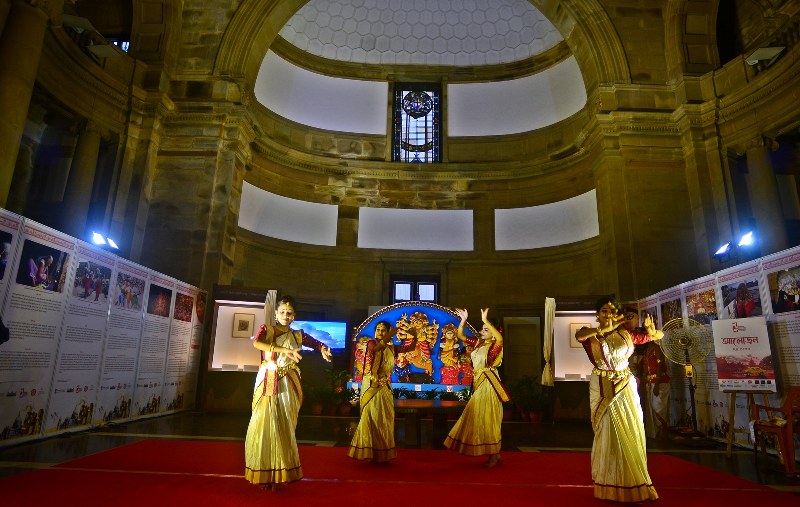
<point x="732" y="412"/>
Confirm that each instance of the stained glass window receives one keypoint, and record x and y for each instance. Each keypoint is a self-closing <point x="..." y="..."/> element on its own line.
<point x="416" y="131"/>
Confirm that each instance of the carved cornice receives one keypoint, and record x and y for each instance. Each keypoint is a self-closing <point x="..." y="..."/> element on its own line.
<point x="433" y="73"/>
<point x="766" y="86"/>
<point x="69" y="75"/>
<point x="616" y="123"/>
<point x="295" y="160"/>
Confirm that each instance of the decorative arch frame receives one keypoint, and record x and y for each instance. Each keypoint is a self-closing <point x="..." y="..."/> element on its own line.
<point x="411" y="369"/>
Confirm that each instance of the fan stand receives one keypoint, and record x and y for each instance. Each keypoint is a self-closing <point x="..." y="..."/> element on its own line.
<point x="690" y="375"/>
<point x="694" y="437"/>
<point x="683" y="348"/>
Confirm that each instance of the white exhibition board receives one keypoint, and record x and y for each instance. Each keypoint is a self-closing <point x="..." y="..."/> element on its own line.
<point x="85" y="327"/>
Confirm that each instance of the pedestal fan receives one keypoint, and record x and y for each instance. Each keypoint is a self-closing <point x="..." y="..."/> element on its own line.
<point x="687" y="342"/>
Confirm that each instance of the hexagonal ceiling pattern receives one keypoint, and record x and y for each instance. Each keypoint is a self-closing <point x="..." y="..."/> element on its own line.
<point x="421" y="32"/>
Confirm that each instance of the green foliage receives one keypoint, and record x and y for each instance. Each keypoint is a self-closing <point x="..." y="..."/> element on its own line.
<point x="451" y="396"/>
<point x="528" y="394"/>
<point x="316" y="394"/>
<point x="337" y="378"/>
<point x="403" y="393"/>
<point x="410" y="394"/>
<point x="348" y="395"/>
<point x="431" y="395"/>
<point x="464" y="394"/>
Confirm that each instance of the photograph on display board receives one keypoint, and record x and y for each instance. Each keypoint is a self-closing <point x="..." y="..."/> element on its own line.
<point x="784" y="290"/>
<point x="42" y="266"/>
<point x="702" y="306"/>
<point x="91" y="282"/>
<point x="183" y="307"/>
<point x="671" y="310"/>
<point x="129" y="292"/>
<point x="158" y="300"/>
<point x="5" y="242"/>
<point x="741" y="299"/>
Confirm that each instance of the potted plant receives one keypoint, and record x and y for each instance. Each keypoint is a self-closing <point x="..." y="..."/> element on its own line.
<point x="347" y="399"/>
<point x="315" y="396"/>
<point x="338" y="379"/>
<point x="431" y="394"/>
<point x="449" y="396"/>
<point x="529" y="397"/>
<point x="342" y="395"/>
<point x="508" y="411"/>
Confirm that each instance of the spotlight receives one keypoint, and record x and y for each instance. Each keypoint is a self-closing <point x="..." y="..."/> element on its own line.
<point x="723" y="250"/>
<point x="98" y="238"/>
<point x="747" y="239"/>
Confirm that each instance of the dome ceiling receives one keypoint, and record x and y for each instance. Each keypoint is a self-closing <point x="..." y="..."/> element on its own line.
<point x="421" y="32"/>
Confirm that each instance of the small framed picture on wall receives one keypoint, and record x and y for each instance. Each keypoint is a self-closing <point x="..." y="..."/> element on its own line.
<point x="573" y="328"/>
<point x="243" y="325"/>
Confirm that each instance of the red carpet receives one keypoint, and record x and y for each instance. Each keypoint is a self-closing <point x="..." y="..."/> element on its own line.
<point x="200" y="473"/>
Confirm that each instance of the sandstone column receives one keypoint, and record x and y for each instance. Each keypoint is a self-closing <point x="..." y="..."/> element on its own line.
<point x="765" y="201"/>
<point x="20" y="49"/>
<point x="78" y="194"/>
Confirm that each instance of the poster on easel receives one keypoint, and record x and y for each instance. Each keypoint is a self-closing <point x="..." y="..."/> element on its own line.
<point x="34" y="313"/>
<point x="152" y="360"/>
<point x="75" y="381"/>
<point x="121" y="348"/>
<point x="744" y="356"/>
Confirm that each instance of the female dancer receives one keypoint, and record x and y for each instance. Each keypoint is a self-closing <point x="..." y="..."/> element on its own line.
<point x="374" y="436"/>
<point x="477" y="431"/>
<point x="270" y="447"/>
<point x="619" y="456"/>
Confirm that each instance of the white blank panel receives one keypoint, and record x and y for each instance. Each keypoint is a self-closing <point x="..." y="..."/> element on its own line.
<point x="557" y="223"/>
<point x="281" y="217"/>
<point x="517" y="105"/>
<point x="331" y="103"/>
<point x="410" y="229"/>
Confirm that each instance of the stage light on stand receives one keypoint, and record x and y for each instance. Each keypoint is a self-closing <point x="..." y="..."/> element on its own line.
<point x="104" y="241"/>
<point x="98" y="238"/>
<point x="746" y="239"/>
<point x="723" y="250"/>
<point x="738" y="252"/>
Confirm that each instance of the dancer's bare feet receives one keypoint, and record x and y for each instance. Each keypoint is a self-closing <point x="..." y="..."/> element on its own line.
<point x="493" y="461"/>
